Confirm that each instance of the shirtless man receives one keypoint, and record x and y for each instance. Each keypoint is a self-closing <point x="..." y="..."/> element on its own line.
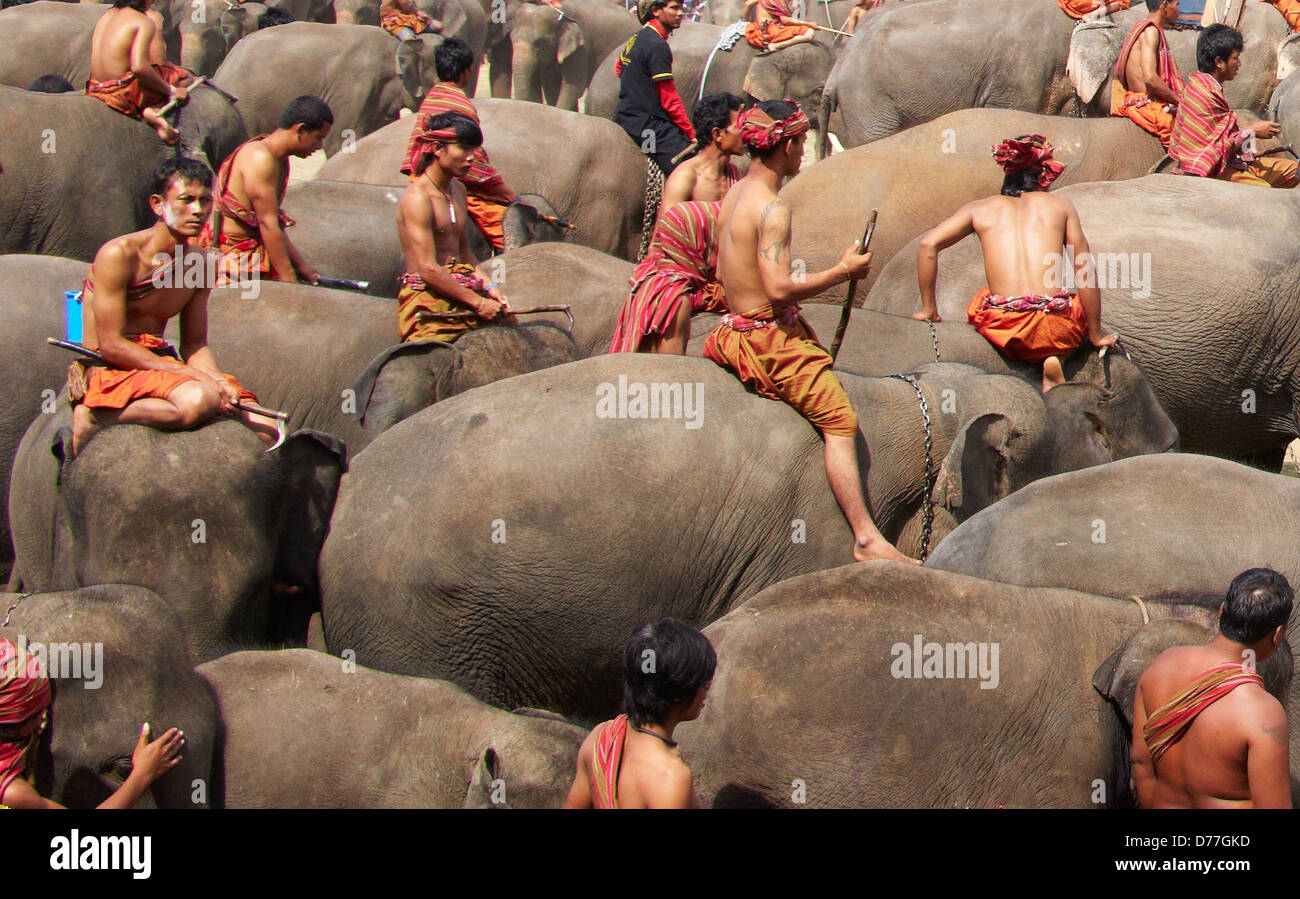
<point x="128" y="69"/>
<point x="1147" y="84"/>
<point x="859" y="10"/>
<point x="127" y="301"/>
<point x="709" y="174"/>
<point x="1022" y="233"/>
<point x="442" y="274"/>
<point x="632" y="761"/>
<point x="1206" y="734"/>
<point x="775" y="26"/>
<point x="248" y="227"/>
<point x="401" y="19"/>
<point x="765" y="341"/>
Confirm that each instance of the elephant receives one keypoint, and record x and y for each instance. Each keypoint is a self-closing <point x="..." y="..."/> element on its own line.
<point x="96" y="164"/>
<point x="1094" y="50"/>
<point x="338" y="223"/>
<point x="232" y="531"/>
<point x="796" y="73"/>
<point x="592" y="172"/>
<point x="136" y="647"/>
<point x="47" y="37"/>
<point x="1284" y="108"/>
<point x="902" y="68"/>
<point x="515" y="570"/>
<point x="205" y="40"/>
<point x="553" y="57"/>
<point x="1029" y="705"/>
<point x="1182" y="525"/>
<point x="365" y="75"/>
<point x="388" y="741"/>
<point x="1221" y="405"/>
<point x="896" y="175"/>
<point x="464" y="19"/>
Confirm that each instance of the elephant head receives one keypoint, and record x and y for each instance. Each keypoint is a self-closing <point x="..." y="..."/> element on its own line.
<point x="356" y="12"/>
<point x="549" y="56"/>
<point x="797" y="73"/>
<point x="415" y="67"/>
<point x="531" y="220"/>
<point x="210" y="127"/>
<point x="1094" y="49"/>
<point x="116" y="658"/>
<point x="1288" y="56"/>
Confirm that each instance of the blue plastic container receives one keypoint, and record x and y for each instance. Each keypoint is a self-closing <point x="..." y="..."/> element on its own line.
<point x="72" y="302"/>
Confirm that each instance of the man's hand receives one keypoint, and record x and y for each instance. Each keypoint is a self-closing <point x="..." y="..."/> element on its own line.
<point x="228" y="395"/>
<point x="179" y="94"/>
<point x="858" y="264"/>
<point x="309" y="276"/>
<point x="150" y="761"/>
<point x="1103" y="340"/>
<point x="1266" y="129"/>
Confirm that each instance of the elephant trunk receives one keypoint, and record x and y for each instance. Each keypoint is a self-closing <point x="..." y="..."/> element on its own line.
<point x="824" y="120"/>
<point x="525" y="77"/>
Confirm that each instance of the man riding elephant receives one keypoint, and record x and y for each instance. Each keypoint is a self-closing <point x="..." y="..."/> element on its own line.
<point x="401" y="19"/>
<point x="1147" y="84"/>
<point x="775" y="26"/>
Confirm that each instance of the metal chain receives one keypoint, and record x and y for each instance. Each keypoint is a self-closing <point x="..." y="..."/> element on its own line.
<point x="934" y="338"/>
<point x="927" y="508"/>
<point x="654" y="191"/>
<point x="10" y="611"/>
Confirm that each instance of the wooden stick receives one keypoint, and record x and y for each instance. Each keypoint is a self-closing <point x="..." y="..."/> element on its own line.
<point x="690" y="148"/>
<point x="457" y="316"/>
<point x="171" y="104"/>
<point x="853" y="289"/>
<point x="832" y="30"/>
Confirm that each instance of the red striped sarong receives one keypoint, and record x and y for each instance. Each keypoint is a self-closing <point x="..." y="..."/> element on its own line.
<point x="1169" y="723"/>
<point x="1206" y="138"/>
<point x="681" y="266"/>
<point x="607" y="760"/>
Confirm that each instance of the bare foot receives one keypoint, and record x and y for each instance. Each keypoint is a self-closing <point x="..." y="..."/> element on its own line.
<point x="84" y="426"/>
<point x="926" y="316"/>
<point x="166" y="132"/>
<point x="880" y="548"/>
<point x="436" y="26"/>
<point x="1052" y="373"/>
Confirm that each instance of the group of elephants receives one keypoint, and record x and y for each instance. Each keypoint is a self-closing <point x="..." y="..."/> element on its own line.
<point x="453" y="542"/>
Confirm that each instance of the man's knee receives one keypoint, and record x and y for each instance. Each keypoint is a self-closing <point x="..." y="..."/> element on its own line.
<point x="195" y="404"/>
<point x="406" y="34"/>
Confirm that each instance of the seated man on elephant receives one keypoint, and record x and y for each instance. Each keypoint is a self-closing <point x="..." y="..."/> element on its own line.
<point x="775" y="26"/>
<point x="24" y="711"/>
<point x="442" y="279"/>
<point x="632" y="761"/>
<point x="709" y="174"/>
<point x="1147" y="84"/>
<point x="764" y="340"/>
<point x="1092" y="10"/>
<point x="1214" y="737"/>
<point x="486" y="192"/>
<point x="649" y="108"/>
<point x="1206" y="139"/>
<point x="132" y="290"/>
<point x="248" y="225"/>
<point x="128" y="70"/>
<point x="401" y="19"/>
<point x="1024" y="311"/>
<point x="860" y="9"/>
<point x="1290" y="10"/>
<point x="676" y="279"/>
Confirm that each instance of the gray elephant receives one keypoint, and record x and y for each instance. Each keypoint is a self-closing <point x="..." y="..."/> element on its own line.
<point x="97" y="164"/>
<point x="1162" y="288"/>
<point x="388" y="741"/>
<point x="1284" y="106"/>
<point x="502" y="573"/>
<point x="465" y="19"/>
<point x="554" y="56"/>
<point x="1094" y="50"/>
<point x="226" y="533"/>
<point x="47" y="38"/>
<point x="835" y="678"/>
<point x="919" y="177"/>
<point x="364" y="75"/>
<point x="593" y="173"/>
<point x="206" y="38"/>
<point x="121" y="660"/>
<point x="796" y="73"/>
<point x="901" y="70"/>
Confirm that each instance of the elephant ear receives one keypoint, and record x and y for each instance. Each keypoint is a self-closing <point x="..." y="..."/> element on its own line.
<point x="486" y="771"/>
<point x="365" y="387"/>
<point x="1094" y="49"/>
<point x="569" y="42"/>
<point x="523" y="223"/>
<point x="1288" y="56"/>
<point x="974" y="474"/>
<point x="311" y="464"/>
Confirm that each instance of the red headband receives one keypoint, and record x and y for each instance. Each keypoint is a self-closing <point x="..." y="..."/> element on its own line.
<point x="423" y="143"/>
<point x="762" y="132"/>
<point x="1018" y="154"/>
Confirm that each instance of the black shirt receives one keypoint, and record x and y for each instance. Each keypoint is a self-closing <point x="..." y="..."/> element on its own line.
<point x="646" y="60"/>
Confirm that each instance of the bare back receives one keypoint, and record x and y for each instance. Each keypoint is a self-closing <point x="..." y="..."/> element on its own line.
<point x="741" y="219"/>
<point x="1141" y="64"/>
<point x="1238" y="743"/>
<point x="1021" y="238"/>
<point x="121" y="41"/>
<point x="255" y="172"/>
<point x="426" y="228"/>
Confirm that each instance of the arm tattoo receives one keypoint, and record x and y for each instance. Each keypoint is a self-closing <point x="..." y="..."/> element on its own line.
<point x="1277" y="733"/>
<point x="779" y="245"/>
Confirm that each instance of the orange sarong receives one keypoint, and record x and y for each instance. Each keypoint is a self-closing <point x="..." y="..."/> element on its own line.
<point x="780" y="358"/>
<point x="1169" y="723"/>
<point x="607" y="760"/>
<point x="240" y="256"/>
<point x="394" y="20"/>
<point x="116" y="388"/>
<point x="1029" y="329"/>
<point x="1265" y="171"/>
<point x="488" y="216"/>
<point x="1290" y="9"/>
<point x="1077" y="9"/>
<point x="772" y="32"/>
<point x="415" y="297"/>
<point x="128" y="96"/>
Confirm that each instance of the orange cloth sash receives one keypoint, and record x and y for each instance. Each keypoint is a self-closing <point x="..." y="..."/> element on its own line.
<point x="128" y="96"/>
<point x="1030" y="334"/>
<point x="1290" y="9"/>
<point x="1149" y="115"/>
<point x="1169" y="723"/>
<point x="239" y="255"/>
<point x="771" y="32"/>
<point x="780" y="358"/>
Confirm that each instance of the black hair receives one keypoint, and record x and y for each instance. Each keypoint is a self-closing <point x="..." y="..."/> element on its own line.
<point x="452" y="58"/>
<point x="51" y="84"/>
<point x="467" y="130"/>
<point x="179" y="168"/>
<point x="714" y="111"/>
<point x="273" y="16"/>
<point x="1216" y="42"/>
<point x="307" y="110"/>
<point x="1016" y="183"/>
<point x="1153" y="5"/>
<point x="1258" y="601"/>
<point x="137" y="5"/>
<point x="777" y="110"/>
<point x="664" y="665"/>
